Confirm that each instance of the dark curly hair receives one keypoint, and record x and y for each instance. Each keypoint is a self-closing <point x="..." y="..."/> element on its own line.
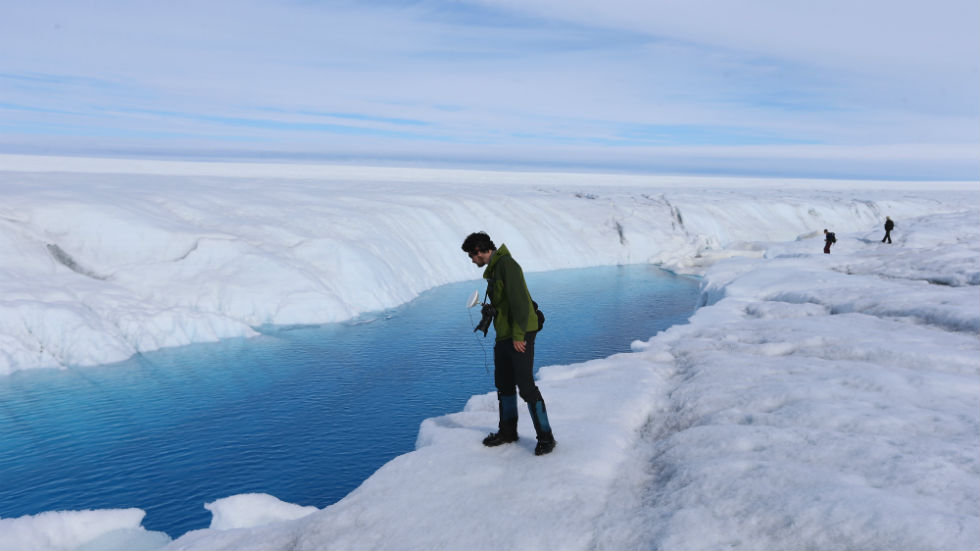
<point x="478" y="242"/>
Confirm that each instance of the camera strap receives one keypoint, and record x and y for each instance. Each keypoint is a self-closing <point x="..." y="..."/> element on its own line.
<point x="486" y="295"/>
<point x="490" y="281"/>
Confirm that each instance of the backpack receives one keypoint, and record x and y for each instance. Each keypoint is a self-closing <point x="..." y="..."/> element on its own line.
<point x="831" y="237"/>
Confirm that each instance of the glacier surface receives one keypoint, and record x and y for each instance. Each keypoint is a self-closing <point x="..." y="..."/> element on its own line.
<point x="813" y="401"/>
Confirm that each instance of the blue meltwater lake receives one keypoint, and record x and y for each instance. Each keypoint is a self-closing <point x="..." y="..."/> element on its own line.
<point x="304" y="414"/>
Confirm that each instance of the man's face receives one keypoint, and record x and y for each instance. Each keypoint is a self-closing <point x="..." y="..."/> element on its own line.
<point x="480" y="258"/>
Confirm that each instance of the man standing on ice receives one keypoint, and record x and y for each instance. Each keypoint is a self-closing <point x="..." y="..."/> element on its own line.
<point x="889" y="226"/>
<point x="829" y="239"/>
<point x="516" y="326"/>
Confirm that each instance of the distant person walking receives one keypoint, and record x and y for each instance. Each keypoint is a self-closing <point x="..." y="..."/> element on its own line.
<point x="829" y="239"/>
<point x="889" y="226"/>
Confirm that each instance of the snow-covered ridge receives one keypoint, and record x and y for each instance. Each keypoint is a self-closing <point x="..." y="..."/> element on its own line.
<point x="99" y="266"/>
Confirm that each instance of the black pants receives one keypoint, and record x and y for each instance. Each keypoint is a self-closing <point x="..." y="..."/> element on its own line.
<point x="513" y="371"/>
<point x="888" y="236"/>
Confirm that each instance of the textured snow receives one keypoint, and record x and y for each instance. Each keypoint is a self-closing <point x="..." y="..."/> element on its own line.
<point x="813" y="401"/>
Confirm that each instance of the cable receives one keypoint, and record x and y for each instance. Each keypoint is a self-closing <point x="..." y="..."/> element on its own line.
<point x="486" y="361"/>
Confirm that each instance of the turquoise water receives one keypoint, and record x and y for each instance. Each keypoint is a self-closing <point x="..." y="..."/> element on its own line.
<point x="301" y="413"/>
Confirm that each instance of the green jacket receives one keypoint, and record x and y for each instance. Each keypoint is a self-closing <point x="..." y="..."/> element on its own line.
<point x="509" y="295"/>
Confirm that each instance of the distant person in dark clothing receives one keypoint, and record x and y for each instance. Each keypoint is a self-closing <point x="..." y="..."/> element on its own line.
<point x="889" y="226"/>
<point x="829" y="239"/>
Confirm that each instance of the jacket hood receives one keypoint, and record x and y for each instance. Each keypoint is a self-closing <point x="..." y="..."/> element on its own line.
<point x="494" y="258"/>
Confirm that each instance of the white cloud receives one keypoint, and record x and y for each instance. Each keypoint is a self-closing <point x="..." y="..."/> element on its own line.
<point x="329" y="78"/>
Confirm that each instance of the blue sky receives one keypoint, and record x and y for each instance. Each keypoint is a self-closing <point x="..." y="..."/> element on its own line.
<point x="869" y="89"/>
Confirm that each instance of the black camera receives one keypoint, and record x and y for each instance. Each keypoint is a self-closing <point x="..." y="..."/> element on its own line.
<point x="488" y="312"/>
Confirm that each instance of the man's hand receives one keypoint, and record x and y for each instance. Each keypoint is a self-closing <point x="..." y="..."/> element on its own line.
<point x="520" y="346"/>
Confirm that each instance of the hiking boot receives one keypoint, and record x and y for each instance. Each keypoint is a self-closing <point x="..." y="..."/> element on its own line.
<point x="507" y="427"/>
<point x="544" y="446"/>
<point x="539" y="416"/>
<point x="498" y="438"/>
